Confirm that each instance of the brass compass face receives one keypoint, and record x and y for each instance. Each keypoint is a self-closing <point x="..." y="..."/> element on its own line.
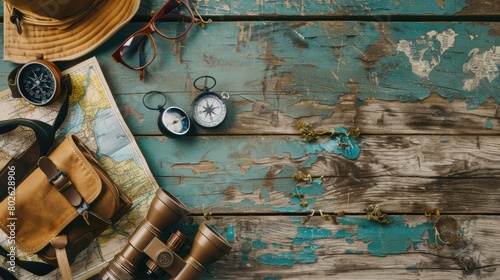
<point x="38" y="81"/>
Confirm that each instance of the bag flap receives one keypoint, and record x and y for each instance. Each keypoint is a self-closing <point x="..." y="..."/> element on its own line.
<point x="37" y="210"/>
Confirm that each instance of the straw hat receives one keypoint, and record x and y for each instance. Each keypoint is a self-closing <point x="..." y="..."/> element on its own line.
<point x="61" y="29"/>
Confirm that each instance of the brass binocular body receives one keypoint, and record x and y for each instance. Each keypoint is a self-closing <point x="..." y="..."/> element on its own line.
<point x="146" y="248"/>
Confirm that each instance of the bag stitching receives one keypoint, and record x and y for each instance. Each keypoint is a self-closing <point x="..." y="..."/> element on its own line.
<point x="58" y="229"/>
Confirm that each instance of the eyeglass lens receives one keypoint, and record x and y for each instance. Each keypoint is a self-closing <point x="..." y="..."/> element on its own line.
<point x="138" y="50"/>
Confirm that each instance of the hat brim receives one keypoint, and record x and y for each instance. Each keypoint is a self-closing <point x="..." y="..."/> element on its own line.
<point x="70" y="43"/>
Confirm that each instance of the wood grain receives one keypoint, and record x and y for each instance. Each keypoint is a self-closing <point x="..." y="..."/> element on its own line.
<point x="283" y="248"/>
<point x="418" y="78"/>
<point x="335" y="8"/>
<point x="405" y="174"/>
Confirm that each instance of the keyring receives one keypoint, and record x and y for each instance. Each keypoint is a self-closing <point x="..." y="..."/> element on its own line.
<point x="172" y="121"/>
<point x="154" y="92"/>
<point x="205" y="87"/>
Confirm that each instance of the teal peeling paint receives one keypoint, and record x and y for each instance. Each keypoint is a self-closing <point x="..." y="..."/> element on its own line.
<point x="290" y="258"/>
<point x="265" y="194"/>
<point x="385" y="239"/>
<point x="311" y="192"/>
<point x="273" y="277"/>
<point x="309" y="234"/>
<point x="489" y="124"/>
<point x="439" y="79"/>
<point x="349" y="240"/>
<point x="312" y="159"/>
<point x="315" y="189"/>
<point x="246" y="249"/>
<point x="230" y="233"/>
<point x="342" y="234"/>
<point x="332" y="146"/>
<point x="353" y="252"/>
<point x="288" y="209"/>
<point x="259" y="244"/>
<point x="276" y="245"/>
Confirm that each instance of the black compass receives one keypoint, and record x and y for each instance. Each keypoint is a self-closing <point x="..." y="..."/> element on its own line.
<point x="208" y="108"/>
<point x="38" y="81"/>
<point x="172" y="121"/>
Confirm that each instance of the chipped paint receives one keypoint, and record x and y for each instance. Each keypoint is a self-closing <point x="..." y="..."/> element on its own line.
<point x="246" y="249"/>
<point x="355" y="252"/>
<point x="343" y="234"/>
<point x="309" y="234"/>
<point x="305" y="256"/>
<point x="230" y="233"/>
<point x="489" y="124"/>
<point x="202" y="167"/>
<point x="352" y="151"/>
<point x="259" y="244"/>
<point x="482" y="65"/>
<point x="386" y="239"/>
<point x="425" y="54"/>
<point x="272" y="277"/>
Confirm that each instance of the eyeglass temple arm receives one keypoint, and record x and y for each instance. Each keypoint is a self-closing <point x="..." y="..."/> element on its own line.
<point x="141" y="59"/>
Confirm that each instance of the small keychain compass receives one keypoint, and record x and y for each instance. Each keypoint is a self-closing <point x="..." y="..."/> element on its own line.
<point x="208" y="108"/>
<point x="172" y="121"/>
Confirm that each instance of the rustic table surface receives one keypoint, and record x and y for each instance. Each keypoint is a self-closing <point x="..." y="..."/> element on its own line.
<point x="418" y="78"/>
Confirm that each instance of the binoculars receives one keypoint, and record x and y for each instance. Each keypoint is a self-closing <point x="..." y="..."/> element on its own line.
<point x="145" y="247"/>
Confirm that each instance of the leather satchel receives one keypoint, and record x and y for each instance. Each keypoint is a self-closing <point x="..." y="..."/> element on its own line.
<point x="63" y="205"/>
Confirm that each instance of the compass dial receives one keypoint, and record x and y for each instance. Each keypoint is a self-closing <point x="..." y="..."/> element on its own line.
<point x="209" y="110"/>
<point x="37" y="83"/>
<point x="175" y="120"/>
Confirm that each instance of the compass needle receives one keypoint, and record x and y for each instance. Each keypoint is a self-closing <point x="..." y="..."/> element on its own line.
<point x="209" y="109"/>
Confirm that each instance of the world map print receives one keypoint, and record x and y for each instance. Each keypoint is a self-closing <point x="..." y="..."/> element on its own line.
<point x="96" y="120"/>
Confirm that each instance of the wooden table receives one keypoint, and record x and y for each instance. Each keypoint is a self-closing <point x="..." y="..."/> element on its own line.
<point x="418" y="78"/>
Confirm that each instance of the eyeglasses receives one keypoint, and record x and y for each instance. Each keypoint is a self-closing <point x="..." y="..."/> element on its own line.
<point x="172" y="21"/>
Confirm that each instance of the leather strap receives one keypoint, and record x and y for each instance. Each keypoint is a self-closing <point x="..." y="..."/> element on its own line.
<point x="58" y="179"/>
<point x="27" y="161"/>
<point x="45" y="133"/>
<point x="6" y="275"/>
<point x="12" y="82"/>
<point x="59" y="243"/>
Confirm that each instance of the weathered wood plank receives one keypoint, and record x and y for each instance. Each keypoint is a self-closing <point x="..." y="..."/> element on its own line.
<point x="434" y="115"/>
<point x="283" y="248"/>
<point x="319" y="62"/>
<point x="330" y="8"/>
<point x="405" y="174"/>
<point x="335" y="8"/>
<point x="261" y="157"/>
<point x="394" y="194"/>
<point x="325" y="60"/>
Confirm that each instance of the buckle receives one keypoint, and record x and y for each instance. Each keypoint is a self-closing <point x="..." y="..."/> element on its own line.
<point x="58" y="175"/>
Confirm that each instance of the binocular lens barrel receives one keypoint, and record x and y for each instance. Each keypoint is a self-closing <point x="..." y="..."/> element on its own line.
<point x="145" y="246"/>
<point x="165" y="210"/>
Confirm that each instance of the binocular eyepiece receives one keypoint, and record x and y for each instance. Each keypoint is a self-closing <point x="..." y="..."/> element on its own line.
<point x="145" y="247"/>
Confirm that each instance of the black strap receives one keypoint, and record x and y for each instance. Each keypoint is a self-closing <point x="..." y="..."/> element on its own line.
<point x="6" y="275"/>
<point x="44" y="132"/>
<point x="37" y="268"/>
<point x="26" y="162"/>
